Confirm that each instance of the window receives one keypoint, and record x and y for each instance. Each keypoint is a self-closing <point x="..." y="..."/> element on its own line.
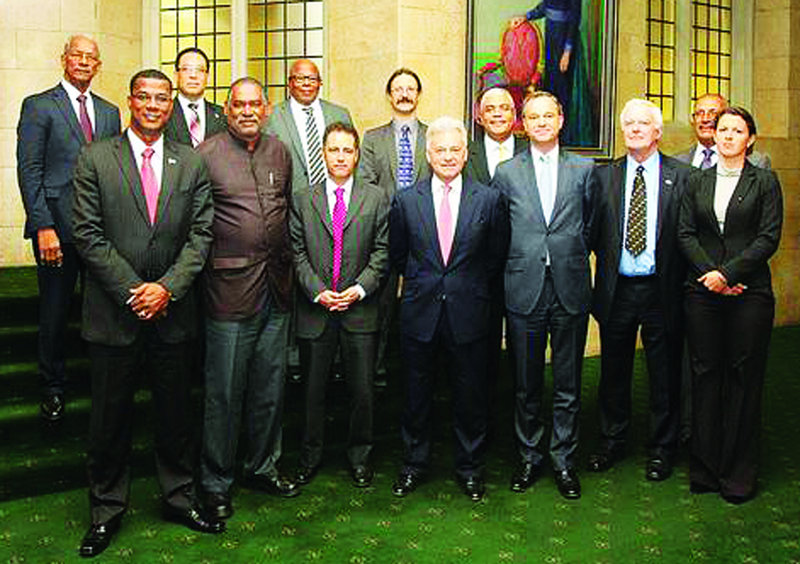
<point x="661" y="55"/>
<point x="275" y="33"/>
<point x="711" y="47"/>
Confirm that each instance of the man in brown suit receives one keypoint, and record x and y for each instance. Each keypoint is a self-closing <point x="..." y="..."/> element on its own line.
<point x="248" y="281"/>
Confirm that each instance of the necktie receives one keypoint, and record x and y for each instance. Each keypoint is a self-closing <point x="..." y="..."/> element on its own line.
<point x="636" y="239"/>
<point x="86" y="124"/>
<point x="194" y="125"/>
<point x="149" y="184"/>
<point x="339" y="215"/>
<point x="546" y="192"/>
<point x="445" y="224"/>
<point x="706" y="163"/>
<point x="316" y="170"/>
<point x="405" y="159"/>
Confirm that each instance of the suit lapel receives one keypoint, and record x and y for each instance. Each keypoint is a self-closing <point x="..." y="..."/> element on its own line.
<point x="427" y="216"/>
<point x="478" y="157"/>
<point x="287" y="122"/>
<point x="466" y="209"/>
<point x="388" y="141"/>
<point x="127" y="165"/>
<point x="65" y="107"/>
<point x="100" y="119"/>
<point x="420" y="158"/>
<point x="667" y="183"/>
<point x="319" y="201"/>
<point x="562" y="180"/>
<point x="169" y="180"/>
<point x="529" y="179"/>
<point x="355" y="204"/>
<point x="616" y="196"/>
<point x="181" y="128"/>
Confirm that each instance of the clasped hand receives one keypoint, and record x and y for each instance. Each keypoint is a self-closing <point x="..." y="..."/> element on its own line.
<point x="149" y="300"/>
<point x="716" y="282"/>
<point x="338" y="301"/>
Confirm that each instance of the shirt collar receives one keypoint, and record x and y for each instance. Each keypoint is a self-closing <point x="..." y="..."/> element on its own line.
<point x="298" y="107"/>
<point x="330" y="185"/>
<point x="73" y="92"/>
<point x="184" y="101"/>
<point x="139" y="146"/>
<point x="455" y="184"/>
<point x="552" y="154"/>
<point x="492" y="145"/>
<point x="650" y="163"/>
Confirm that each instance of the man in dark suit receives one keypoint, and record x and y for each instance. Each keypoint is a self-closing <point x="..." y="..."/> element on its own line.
<point x="494" y="142"/>
<point x="53" y="126"/>
<point x="394" y="159"/>
<point x="142" y="219"/>
<point x="340" y="241"/>
<point x="300" y="123"/>
<point x="248" y="290"/>
<point x="547" y="288"/>
<point x="193" y="118"/>
<point x="448" y="238"/>
<point x="638" y="285"/>
<point x="703" y="154"/>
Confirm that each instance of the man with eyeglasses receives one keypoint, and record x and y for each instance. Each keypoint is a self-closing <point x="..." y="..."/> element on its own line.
<point x="194" y="119"/>
<point x="143" y="226"/>
<point x="53" y="126"/>
<point x="394" y="159"/>
<point x="300" y="122"/>
<point x="703" y="154"/>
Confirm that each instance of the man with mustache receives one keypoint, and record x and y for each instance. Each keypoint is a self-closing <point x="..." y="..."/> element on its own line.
<point x="193" y="118"/>
<point x="248" y="288"/>
<point x="393" y="158"/>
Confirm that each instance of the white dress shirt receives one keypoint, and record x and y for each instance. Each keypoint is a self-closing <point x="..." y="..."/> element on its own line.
<point x="727" y="180"/>
<point x="156" y="161"/>
<point x="697" y="160"/>
<point x="492" y="149"/>
<point x="187" y="113"/>
<point x="73" y="94"/>
<point x="299" y="116"/>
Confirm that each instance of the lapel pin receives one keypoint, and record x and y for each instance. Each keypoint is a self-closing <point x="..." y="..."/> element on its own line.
<point x="170" y="160"/>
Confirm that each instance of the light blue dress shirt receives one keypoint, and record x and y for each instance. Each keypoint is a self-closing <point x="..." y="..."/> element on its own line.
<point x="645" y="263"/>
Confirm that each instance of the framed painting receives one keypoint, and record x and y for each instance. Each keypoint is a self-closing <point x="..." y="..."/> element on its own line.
<point x="563" y="46"/>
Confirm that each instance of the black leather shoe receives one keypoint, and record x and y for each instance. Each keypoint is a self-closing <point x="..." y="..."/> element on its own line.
<point x="406" y="483"/>
<point x="52" y="407"/>
<point x="193" y="519"/>
<point x="218" y="505"/>
<point x="568" y="484"/>
<point x="362" y="476"/>
<point x="98" y="537"/>
<point x="602" y="460"/>
<point x="274" y="485"/>
<point x="658" y="469"/>
<point x="698" y="488"/>
<point x="305" y="474"/>
<point x="526" y="474"/>
<point x="474" y="487"/>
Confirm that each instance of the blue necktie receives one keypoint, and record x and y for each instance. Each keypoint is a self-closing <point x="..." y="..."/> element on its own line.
<point x="405" y="160"/>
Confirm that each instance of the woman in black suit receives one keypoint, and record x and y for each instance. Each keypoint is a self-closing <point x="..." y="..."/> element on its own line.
<point x="729" y="227"/>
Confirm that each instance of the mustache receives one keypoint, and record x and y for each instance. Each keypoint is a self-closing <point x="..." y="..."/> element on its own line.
<point x="404" y="99"/>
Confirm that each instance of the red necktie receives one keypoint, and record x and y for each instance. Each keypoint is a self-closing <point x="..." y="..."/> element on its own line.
<point x="445" y="224"/>
<point x="194" y="125"/>
<point x="86" y="124"/>
<point x="339" y="215"/>
<point x="149" y="184"/>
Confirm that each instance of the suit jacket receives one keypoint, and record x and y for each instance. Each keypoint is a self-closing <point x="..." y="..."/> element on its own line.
<point x="49" y="138"/>
<point x="281" y="123"/>
<point x="177" y="130"/>
<point x="477" y="168"/>
<point x="753" y="222"/>
<point x="606" y="239"/>
<point x="755" y="158"/>
<point x="231" y="270"/>
<point x="121" y="249"/>
<point x="378" y="165"/>
<point x="462" y="285"/>
<point x="566" y="236"/>
<point x="365" y="256"/>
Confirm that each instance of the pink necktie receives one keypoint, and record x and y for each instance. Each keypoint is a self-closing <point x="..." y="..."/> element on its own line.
<point x="339" y="215"/>
<point x="194" y="125"/>
<point x="149" y="184"/>
<point x="86" y="124"/>
<point x="445" y="225"/>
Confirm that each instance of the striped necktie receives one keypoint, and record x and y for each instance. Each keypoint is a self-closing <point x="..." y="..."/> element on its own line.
<point x="316" y="170"/>
<point x="708" y="152"/>
<point x="194" y="125"/>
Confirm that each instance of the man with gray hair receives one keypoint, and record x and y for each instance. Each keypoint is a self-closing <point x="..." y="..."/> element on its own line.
<point x="638" y="287"/>
<point x="53" y="126"/>
<point x="448" y="237"/>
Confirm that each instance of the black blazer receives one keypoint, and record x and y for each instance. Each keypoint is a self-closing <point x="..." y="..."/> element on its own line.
<point x="49" y="138"/>
<point x="462" y="286"/>
<point x="121" y="249"/>
<point x="752" y="227"/>
<point x="477" y="168"/>
<point x="607" y="230"/>
<point x="177" y="130"/>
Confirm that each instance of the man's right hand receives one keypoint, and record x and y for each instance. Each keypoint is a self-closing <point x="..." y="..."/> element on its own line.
<point x="49" y="247"/>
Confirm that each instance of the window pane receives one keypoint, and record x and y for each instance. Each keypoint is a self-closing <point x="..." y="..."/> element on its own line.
<point x="169" y="22"/>
<point x="255" y="45"/>
<point x="186" y="22"/>
<point x="314" y="14"/>
<point x="294" y="43"/>
<point x="314" y="41"/>
<point x="294" y="15"/>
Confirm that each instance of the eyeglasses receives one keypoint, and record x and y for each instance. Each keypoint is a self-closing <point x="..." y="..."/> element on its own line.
<point x="710" y="114"/>
<point x="404" y="90"/>
<point x="144" y="98"/>
<point x="78" y="56"/>
<point x="305" y="78"/>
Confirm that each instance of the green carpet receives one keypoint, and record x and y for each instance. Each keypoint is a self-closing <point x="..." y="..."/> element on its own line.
<point x="621" y="517"/>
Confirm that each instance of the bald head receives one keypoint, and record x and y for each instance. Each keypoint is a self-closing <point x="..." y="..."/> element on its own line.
<point x="304" y="81"/>
<point x="497" y="113"/>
